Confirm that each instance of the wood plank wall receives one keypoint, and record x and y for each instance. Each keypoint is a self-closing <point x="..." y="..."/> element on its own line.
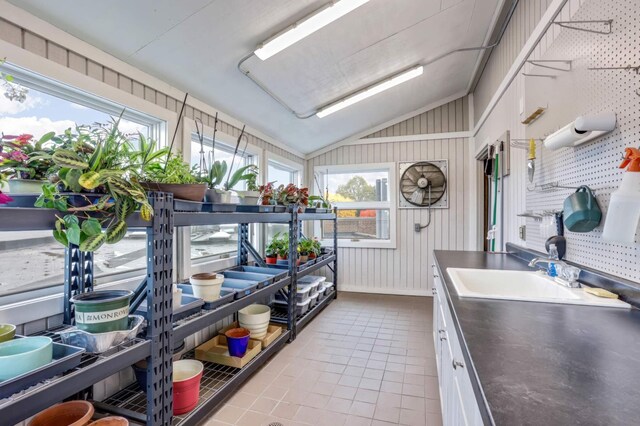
<point x="34" y="43"/>
<point x="406" y="269"/>
<point x="524" y="20"/>
<point x="457" y="112"/>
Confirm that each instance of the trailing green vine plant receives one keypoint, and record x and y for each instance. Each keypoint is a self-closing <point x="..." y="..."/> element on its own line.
<point x="102" y="165"/>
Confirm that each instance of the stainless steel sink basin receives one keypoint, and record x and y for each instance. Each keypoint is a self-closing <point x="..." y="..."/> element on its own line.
<point x="521" y="285"/>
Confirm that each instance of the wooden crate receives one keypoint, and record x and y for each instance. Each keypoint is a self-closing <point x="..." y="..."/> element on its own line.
<point x="273" y="332"/>
<point x="217" y="351"/>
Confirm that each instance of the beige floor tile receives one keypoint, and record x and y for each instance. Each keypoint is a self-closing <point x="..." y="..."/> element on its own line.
<point x="339" y="405"/>
<point x="413" y="403"/>
<point x="370" y="373"/>
<point x="358" y="421"/>
<point x="370" y="384"/>
<point x="275" y="391"/>
<point x="229" y="414"/>
<point x="352" y="381"/>
<point x="391" y="400"/>
<point x="264" y="405"/>
<point x="316" y="400"/>
<point x="331" y="418"/>
<point x="413" y="418"/>
<point x="366" y="360"/>
<point x="413" y="390"/>
<point x="362" y="409"/>
<point x="345" y="392"/>
<point x="366" y="395"/>
<point x="285" y="410"/>
<point x="324" y="388"/>
<point x="387" y="414"/>
<point x="391" y="387"/>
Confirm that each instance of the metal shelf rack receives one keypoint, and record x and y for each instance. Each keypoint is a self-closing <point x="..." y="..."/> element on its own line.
<point x="154" y="405"/>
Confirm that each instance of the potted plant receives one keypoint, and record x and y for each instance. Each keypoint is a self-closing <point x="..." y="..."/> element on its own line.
<point x="267" y="193"/>
<point x="305" y="247"/>
<point x="175" y="176"/>
<point x="99" y="163"/>
<point x="291" y="195"/>
<point x="283" y="248"/>
<point x="213" y="179"/>
<point x="249" y="174"/>
<point x="271" y="251"/>
<point x="315" y="249"/>
<point x="27" y="163"/>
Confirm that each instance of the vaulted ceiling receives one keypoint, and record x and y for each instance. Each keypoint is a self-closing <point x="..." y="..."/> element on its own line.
<point x="195" y="45"/>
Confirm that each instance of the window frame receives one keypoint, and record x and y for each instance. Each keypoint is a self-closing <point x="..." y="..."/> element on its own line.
<point x="185" y="265"/>
<point x="285" y="164"/>
<point x="29" y="69"/>
<point x="391" y="243"/>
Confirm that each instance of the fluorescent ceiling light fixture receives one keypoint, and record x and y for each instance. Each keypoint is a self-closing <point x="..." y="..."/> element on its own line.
<point x="309" y="25"/>
<point x="372" y="90"/>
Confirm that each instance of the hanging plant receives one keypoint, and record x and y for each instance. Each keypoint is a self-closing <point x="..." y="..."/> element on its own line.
<point x="96" y="184"/>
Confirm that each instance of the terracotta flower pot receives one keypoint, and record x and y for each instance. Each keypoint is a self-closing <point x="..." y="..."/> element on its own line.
<point x="111" y="421"/>
<point x="312" y="256"/>
<point x="271" y="260"/>
<point x="71" y="413"/>
<point x="185" y="191"/>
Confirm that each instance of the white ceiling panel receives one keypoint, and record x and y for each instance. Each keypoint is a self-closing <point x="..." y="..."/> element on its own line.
<point x="195" y="45"/>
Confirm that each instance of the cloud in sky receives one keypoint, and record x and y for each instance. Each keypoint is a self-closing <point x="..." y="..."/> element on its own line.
<point x="14" y="107"/>
<point x="33" y="125"/>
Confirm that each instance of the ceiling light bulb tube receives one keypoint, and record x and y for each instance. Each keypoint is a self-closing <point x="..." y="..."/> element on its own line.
<point x="307" y="26"/>
<point x="373" y="90"/>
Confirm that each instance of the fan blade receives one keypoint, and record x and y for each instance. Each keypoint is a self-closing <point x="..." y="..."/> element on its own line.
<point x="418" y="196"/>
<point x="412" y="174"/>
<point x="437" y="179"/>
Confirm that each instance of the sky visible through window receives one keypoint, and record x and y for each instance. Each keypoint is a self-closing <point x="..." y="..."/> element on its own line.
<point x="32" y="259"/>
<point x="41" y="113"/>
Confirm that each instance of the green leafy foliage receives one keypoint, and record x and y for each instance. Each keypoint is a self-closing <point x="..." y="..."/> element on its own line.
<point x="174" y="171"/>
<point x="247" y="173"/>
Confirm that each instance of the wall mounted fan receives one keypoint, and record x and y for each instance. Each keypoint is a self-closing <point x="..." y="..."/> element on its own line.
<point x="423" y="184"/>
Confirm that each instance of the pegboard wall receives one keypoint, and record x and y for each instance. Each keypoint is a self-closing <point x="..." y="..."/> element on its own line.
<point x="578" y="92"/>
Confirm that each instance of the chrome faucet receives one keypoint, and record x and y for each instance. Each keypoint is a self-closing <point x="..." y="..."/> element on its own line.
<point x="567" y="275"/>
<point x="537" y="260"/>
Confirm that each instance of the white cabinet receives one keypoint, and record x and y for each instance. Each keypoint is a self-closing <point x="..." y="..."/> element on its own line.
<point x="458" y="400"/>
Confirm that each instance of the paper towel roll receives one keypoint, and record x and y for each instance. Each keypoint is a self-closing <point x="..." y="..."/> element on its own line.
<point x="567" y="136"/>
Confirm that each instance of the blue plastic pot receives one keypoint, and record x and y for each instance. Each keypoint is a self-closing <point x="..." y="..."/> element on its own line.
<point x="237" y="341"/>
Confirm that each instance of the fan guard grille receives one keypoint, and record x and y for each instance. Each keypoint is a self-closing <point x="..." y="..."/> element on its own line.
<point x="423" y="184"/>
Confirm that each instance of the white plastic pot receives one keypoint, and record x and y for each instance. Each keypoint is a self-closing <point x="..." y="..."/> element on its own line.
<point x="206" y="286"/>
<point x="255" y="318"/>
<point x="249" y="198"/>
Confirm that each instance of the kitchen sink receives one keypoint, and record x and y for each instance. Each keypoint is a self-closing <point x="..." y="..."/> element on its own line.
<point x="521" y="285"/>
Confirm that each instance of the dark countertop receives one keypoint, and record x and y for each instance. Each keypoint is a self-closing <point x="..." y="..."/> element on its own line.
<point x="546" y="364"/>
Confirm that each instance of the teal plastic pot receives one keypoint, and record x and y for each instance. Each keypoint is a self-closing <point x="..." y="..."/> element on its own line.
<point x="19" y="356"/>
<point x="102" y="311"/>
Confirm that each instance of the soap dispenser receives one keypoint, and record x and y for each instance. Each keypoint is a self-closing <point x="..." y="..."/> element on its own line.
<point x="623" y="213"/>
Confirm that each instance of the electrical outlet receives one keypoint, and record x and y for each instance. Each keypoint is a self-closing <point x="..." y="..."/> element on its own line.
<point x="417" y="227"/>
<point x="522" y="232"/>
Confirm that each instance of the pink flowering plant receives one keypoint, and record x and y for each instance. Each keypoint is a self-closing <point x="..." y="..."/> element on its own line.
<point x="4" y="198"/>
<point x="22" y="157"/>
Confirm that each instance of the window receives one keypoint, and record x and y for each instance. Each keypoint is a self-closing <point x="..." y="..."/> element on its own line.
<point x="34" y="260"/>
<point x="364" y="196"/>
<point x="217" y="241"/>
<point x="282" y="172"/>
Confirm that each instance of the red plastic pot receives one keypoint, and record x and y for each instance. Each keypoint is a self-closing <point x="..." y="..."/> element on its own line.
<point x="272" y="260"/>
<point x="187" y="374"/>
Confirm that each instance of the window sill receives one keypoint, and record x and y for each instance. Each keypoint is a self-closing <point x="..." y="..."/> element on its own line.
<point x="373" y="244"/>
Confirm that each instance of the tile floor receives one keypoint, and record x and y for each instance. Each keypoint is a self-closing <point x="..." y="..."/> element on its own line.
<point x="365" y="360"/>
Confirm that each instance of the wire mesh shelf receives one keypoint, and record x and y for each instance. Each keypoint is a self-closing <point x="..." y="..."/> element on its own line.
<point x="86" y="361"/>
